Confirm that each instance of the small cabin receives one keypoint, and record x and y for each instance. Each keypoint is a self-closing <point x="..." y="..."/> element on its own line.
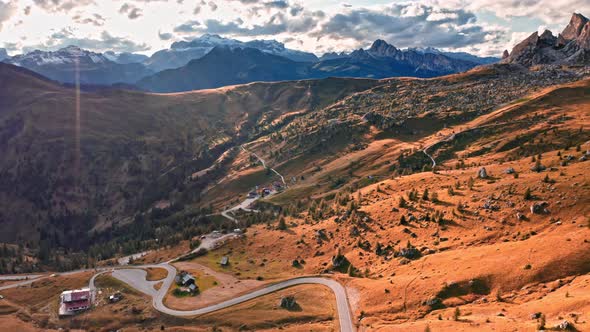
<point x="224" y="261"/>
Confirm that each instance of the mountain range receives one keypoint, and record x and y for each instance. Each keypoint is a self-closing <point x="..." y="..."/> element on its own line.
<point x="212" y="61"/>
<point x="94" y="68"/>
<point x="226" y="65"/>
<point x="189" y="61"/>
<point x="182" y="52"/>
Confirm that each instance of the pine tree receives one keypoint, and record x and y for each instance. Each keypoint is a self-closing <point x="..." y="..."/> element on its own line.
<point x="402" y="202"/>
<point x="282" y="224"/>
<point x="425" y="194"/>
<point x="528" y="194"/>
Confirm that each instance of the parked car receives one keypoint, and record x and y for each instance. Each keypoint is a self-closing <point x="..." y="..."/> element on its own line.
<point x="115" y="297"/>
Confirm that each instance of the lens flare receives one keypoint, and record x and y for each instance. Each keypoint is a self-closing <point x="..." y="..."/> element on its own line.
<point x="77" y="124"/>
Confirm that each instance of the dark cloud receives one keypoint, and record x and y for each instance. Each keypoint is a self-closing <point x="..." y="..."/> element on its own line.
<point x="277" y="23"/>
<point x="96" y="20"/>
<point x="105" y="42"/>
<point x="130" y="10"/>
<point x="212" y="6"/>
<point x="165" y="35"/>
<point x="27" y="10"/>
<point x="407" y="25"/>
<point x="61" y="5"/>
<point x="188" y="27"/>
<point x="281" y="4"/>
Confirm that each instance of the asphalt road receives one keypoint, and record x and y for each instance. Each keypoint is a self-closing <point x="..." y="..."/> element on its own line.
<point x="136" y="279"/>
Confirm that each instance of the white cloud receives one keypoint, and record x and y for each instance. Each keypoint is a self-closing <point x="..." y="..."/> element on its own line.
<point x="315" y="26"/>
<point x="7" y="10"/>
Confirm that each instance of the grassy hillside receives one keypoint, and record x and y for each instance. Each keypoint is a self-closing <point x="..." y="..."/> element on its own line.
<point x="59" y="181"/>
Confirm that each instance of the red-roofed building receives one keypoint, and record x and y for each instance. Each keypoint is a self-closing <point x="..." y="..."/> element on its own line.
<point x="73" y="301"/>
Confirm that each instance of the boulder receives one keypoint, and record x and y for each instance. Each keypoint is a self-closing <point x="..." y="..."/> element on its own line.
<point x="410" y="253"/>
<point x="482" y="173"/>
<point x="509" y="170"/>
<point x="539" y="207"/>
<point x="565" y="326"/>
<point x="538" y="167"/>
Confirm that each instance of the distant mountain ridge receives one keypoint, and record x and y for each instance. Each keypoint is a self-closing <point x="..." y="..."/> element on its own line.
<point x="228" y="65"/>
<point x="180" y="53"/>
<point x="570" y="47"/>
<point x="3" y="54"/>
<point x="381" y="60"/>
<point x="94" y="68"/>
<point x="458" y="55"/>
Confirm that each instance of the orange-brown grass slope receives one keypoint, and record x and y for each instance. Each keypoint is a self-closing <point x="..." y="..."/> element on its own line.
<point x="482" y="254"/>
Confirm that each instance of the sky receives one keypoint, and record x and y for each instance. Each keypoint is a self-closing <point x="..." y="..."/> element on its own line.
<point x="482" y="27"/>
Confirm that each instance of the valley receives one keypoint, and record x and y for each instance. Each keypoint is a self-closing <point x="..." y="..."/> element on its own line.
<point x="457" y="201"/>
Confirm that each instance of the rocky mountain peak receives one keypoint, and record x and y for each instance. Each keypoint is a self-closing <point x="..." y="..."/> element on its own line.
<point x="382" y="48"/>
<point x="571" y="46"/>
<point x="574" y="29"/>
<point x="505" y="54"/>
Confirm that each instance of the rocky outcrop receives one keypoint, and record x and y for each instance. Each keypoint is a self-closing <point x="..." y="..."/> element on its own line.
<point x="571" y="46"/>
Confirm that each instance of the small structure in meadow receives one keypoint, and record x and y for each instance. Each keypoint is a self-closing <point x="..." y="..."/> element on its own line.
<point x="224" y="261"/>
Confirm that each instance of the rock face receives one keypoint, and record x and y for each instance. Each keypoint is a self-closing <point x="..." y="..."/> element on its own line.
<point x="571" y="46"/>
<point x="505" y="54"/>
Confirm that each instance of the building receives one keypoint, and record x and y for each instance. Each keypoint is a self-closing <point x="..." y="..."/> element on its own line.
<point x="193" y="289"/>
<point x="74" y="301"/>
<point x="185" y="279"/>
<point x="224" y="261"/>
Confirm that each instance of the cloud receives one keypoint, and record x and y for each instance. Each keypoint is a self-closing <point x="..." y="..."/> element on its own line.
<point x="27" y="10"/>
<point x="7" y="10"/>
<point x="130" y="10"/>
<point x="277" y="4"/>
<point x="105" y="42"/>
<point x="549" y="11"/>
<point x="165" y="35"/>
<point x="408" y="25"/>
<point x="212" y="6"/>
<point x="96" y="20"/>
<point x="61" y="5"/>
<point x="188" y="27"/>
<point x="276" y="24"/>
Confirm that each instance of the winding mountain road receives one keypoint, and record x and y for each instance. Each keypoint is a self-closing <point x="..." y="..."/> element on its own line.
<point x="137" y="279"/>
<point x="264" y="165"/>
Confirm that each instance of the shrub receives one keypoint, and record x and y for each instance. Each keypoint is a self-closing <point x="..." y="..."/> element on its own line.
<point x="456" y="314"/>
<point x="528" y="195"/>
<point x="402" y="202"/>
<point x="541" y="322"/>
